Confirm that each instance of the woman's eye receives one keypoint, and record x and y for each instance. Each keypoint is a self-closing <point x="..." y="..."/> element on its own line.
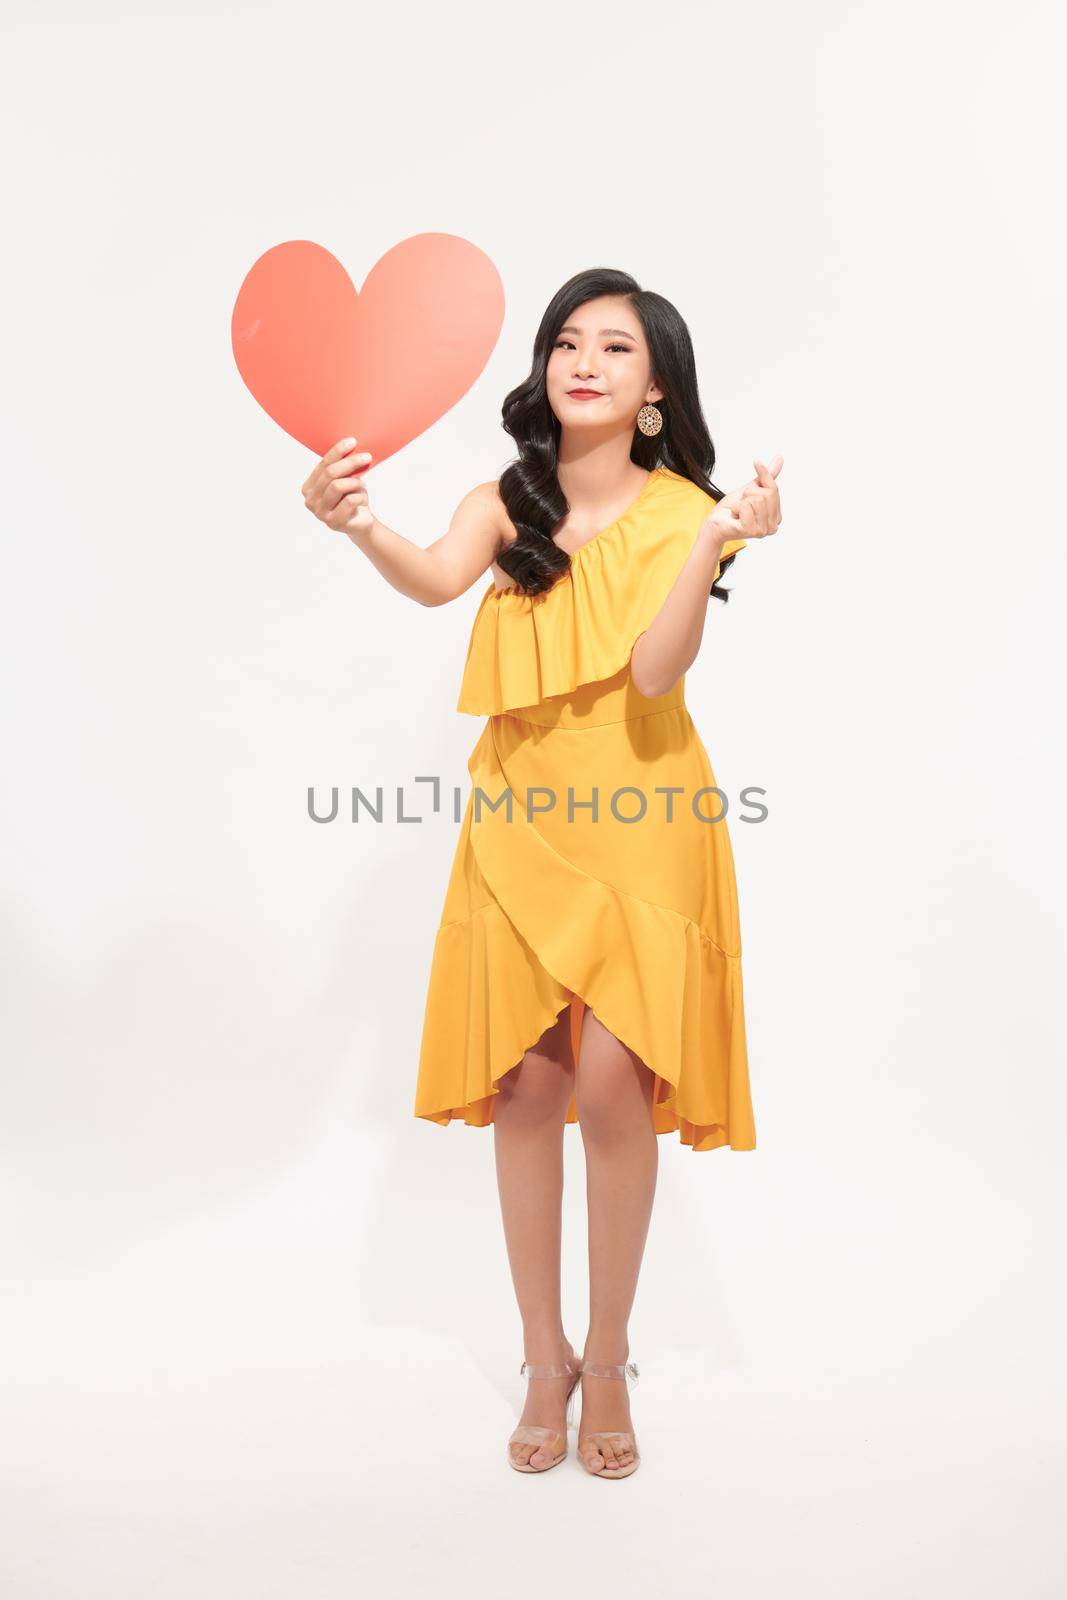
<point x="625" y="348"/>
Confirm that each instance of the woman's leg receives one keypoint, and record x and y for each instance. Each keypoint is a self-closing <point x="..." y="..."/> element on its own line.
<point x="529" y="1115"/>
<point x="614" y="1099"/>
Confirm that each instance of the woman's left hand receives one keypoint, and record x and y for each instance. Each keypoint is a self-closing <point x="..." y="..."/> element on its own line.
<point x="752" y="512"/>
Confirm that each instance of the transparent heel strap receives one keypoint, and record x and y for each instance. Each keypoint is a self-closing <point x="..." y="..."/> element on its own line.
<point x="547" y="1369"/>
<point x="603" y="1369"/>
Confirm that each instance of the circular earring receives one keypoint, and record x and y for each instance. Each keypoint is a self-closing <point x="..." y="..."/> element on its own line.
<point x="650" y="419"/>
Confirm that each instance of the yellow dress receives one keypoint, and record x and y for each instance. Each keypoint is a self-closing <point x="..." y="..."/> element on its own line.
<point x="630" y="909"/>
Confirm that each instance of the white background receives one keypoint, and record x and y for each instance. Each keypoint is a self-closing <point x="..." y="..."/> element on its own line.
<point x="259" y="1337"/>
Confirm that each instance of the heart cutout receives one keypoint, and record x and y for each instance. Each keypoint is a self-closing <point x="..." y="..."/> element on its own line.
<point x="381" y="365"/>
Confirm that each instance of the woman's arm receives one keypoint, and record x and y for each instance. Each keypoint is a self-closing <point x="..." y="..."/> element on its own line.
<point x="335" y="492"/>
<point x="446" y="568"/>
<point x="668" y="647"/>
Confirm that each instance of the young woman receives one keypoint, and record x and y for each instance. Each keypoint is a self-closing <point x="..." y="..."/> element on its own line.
<point x="587" y="965"/>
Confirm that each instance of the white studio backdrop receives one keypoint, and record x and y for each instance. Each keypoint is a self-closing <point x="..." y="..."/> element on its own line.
<point x="258" y="1329"/>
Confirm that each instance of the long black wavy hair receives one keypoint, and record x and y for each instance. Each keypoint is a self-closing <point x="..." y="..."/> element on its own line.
<point x="529" y="487"/>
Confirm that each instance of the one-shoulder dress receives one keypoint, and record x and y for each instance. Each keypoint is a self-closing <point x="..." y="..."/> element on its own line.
<point x="593" y="866"/>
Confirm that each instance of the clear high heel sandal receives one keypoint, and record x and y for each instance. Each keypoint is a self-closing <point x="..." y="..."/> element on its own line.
<point x="532" y="1433"/>
<point x="619" y="1441"/>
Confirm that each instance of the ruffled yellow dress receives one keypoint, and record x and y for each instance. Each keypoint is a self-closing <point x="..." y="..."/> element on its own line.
<point x="629" y="908"/>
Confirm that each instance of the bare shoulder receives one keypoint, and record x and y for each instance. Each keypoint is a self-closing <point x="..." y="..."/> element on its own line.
<point x="487" y="496"/>
<point x="477" y="533"/>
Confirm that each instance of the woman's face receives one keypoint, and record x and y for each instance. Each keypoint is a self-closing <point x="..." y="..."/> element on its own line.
<point x="601" y="348"/>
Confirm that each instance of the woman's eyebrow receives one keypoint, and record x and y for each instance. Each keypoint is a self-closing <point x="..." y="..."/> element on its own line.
<point x="621" y="331"/>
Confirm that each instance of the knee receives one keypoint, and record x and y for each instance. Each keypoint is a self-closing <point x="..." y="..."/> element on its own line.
<point x="537" y="1091"/>
<point x="606" y="1096"/>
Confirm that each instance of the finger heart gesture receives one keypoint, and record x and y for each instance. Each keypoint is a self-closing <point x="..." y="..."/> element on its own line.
<point x="755" y="510"/>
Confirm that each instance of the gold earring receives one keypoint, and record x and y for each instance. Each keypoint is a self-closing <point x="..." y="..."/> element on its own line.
<point x="650" y="419"/>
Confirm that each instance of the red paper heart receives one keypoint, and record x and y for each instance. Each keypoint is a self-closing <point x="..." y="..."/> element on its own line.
<point x="380" y="366"/>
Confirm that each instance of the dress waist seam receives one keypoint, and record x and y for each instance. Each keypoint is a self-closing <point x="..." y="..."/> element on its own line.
<point x="558" y="727"/>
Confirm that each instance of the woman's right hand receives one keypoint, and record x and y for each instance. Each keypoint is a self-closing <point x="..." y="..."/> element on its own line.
<point x="334" y="490"/>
